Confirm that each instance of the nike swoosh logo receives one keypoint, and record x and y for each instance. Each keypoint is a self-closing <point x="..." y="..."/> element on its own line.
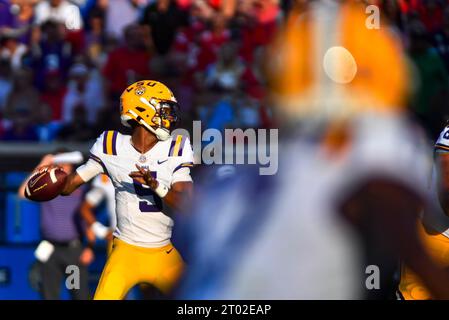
<point x="36" y="179"/>
<point x="169" y="251"/>
<point x="161" y="162"/>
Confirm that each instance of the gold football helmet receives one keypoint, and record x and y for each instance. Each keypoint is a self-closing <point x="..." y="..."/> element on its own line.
<point x="150" y="104"/>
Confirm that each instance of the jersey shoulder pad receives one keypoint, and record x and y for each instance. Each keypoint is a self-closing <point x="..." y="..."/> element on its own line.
<point x="106" y="144"/>
<point x="179" y="145"/>
<point x="443" y="140"/>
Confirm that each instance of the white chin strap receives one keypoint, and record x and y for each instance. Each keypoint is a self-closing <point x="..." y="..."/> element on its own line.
<point x="160" y="133"/>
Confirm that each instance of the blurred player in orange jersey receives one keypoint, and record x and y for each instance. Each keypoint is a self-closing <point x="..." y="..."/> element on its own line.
<point x="351" y="181"/>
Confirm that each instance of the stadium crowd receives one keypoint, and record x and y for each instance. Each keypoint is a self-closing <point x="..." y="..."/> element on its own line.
<point x="63" y="64"/>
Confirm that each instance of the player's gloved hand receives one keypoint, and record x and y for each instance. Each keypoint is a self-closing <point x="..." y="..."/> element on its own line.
<point x="144" y="177"/>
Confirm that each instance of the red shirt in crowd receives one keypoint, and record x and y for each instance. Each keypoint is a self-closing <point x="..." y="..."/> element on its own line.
<point x="124" y="66"/>
<point x="210" y="43"/>
<point x="55" y="100"/>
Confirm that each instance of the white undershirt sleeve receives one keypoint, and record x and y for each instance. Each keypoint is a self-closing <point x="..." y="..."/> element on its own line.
<point x="89" y="170"/>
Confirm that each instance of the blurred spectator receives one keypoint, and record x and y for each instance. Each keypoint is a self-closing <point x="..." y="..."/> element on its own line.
<point x="12" y="49"/>
<point x="54" y="92"/>
<point x="23" y="97"/>
<point x="253" y="79"/>
<point x="226" y="73"/>
<point x="96" y="37"/>
<point x="441" y="40"/>
<point x="61" y="11"/>
<point x="21" y="128"/>
<point x="431" y="15"/>
<point x="5" y="82"/>
<point x="257" y="22"/>
<point x="248" y="112"/>
<point x="128" y="63"/>
<point x="208" y="9"/>
<point x="218" y="113"/>
<point x="119" y="14"/>
<point x="78" y="129"/>
<point x="428" y="103"/>
<point x="85" y="90"/>
<point x="47" y="128"/>
<point x="16" y="17"/>
<point x="210" y="42"/>
<point x="163" y="18"/>
<point x="51" y="54"/>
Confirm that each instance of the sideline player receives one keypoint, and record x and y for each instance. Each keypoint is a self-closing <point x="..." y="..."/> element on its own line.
<point x="149" y="169"/>
<point x="102" y="189"/>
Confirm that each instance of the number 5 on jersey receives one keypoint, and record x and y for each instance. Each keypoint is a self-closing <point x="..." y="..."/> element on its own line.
<point x="155" y="205"/>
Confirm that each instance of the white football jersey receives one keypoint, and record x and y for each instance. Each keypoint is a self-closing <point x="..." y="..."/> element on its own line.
<point x="434" y="216"/>
<point x="141" y="220"/>
<point x="103" y="189"/>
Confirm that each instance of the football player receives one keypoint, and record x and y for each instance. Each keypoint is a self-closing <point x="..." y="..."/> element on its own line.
<point x="435" y="229"/>
<point x="149" y="169"/>
<point x="102" y="189"/>
<point x="351" y="183"/>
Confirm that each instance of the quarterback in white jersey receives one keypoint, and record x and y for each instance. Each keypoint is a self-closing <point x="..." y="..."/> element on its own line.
<point x="140" y="217"/>
<point x="148" y="169"/>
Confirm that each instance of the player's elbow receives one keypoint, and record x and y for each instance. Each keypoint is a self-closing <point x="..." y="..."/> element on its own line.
<point x="67" y="190"/>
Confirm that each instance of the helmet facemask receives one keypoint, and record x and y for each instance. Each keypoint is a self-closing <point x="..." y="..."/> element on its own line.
<point x="166" y="116"/>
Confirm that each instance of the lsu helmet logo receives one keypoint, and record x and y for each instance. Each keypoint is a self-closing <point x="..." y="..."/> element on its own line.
<point x="140" y="90"/>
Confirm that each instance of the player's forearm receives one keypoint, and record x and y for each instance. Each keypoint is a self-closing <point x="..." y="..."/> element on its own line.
<point x="72" y="183"/>
<point x="87" y="213"/>
<point x="177" y="200"/>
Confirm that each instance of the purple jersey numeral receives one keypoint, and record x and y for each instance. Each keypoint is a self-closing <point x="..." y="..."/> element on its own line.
<point x="153" y="205"/>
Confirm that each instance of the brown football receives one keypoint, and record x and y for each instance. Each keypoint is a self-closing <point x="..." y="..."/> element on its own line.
<point x="45" y="184"/>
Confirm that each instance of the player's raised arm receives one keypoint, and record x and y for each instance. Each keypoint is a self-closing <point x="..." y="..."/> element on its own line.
<point x="73" y="182"/>
<point x="93" y="167"/>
